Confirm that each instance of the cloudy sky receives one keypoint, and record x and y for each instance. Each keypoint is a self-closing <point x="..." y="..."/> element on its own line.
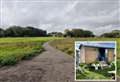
<point x="56" y="15"/>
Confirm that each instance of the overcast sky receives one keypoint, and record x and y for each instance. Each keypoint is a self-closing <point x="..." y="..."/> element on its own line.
<point x="56" y="15"/>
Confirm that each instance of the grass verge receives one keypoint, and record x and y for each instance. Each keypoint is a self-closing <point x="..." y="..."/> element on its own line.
<point x="13" y="50"/>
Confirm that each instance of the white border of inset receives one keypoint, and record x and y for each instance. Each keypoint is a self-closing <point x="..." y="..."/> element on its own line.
<point x="95" y="42"/>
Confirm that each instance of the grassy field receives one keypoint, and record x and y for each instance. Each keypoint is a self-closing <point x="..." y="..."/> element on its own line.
<point x="67" y="46"/>
<point x="13" y="50"/>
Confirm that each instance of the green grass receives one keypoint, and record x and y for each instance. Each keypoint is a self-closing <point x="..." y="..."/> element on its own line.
<point x="91" y="75"/>
<point x="13" y="50"/>
<point x="67" y="46"/>
<point x="27" y="39"/>
<point x="118" y="66"/>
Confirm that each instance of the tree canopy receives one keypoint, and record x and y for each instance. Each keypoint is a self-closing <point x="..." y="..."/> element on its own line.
<point x="30" y="31"/>
<point x="1" y="32"/>
<point x="56" y="34"/>
<point x="78" y="33"/>
<point x="18" y="31"/>
<point x="112" y="34"/>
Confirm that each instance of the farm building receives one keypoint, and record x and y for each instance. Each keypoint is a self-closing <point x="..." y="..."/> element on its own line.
<point x="91" y="52"/>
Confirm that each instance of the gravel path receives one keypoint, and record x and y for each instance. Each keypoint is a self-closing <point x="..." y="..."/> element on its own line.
<point x="50" y="66"/>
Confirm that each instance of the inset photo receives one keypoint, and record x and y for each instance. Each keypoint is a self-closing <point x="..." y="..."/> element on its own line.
<point x="95" y="61"/>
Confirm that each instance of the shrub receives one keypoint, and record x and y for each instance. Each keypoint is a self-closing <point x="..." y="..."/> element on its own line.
<point x="118" y="67"/>
<point x="10" y="60"/>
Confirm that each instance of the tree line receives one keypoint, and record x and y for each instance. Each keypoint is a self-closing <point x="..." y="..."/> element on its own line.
<point x="78" y="33"/>
<point x="18" y="31"/>
<point x="113" y="34"/>
<point x="29" y="31"/>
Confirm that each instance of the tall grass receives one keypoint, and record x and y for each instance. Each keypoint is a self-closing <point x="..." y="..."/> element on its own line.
<point x="67" y="46"/>
<point x="13" y="50"/>
<point x="27" y="39"/>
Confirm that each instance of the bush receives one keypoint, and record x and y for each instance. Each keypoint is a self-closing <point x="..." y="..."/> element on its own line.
<point x="70" y="51"/>
<point x="11" y="53"/>
<point x="10" y="60"/>
<point x="118" y="67"/>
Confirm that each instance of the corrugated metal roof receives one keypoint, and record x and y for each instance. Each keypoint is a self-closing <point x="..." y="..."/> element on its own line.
<point x="100" y="45"/>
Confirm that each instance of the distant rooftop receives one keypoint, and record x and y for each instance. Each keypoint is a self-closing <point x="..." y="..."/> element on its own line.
<point x="100" y="45"/>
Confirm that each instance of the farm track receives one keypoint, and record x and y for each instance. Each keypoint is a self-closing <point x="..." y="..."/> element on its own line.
<point x="50" y="66"/>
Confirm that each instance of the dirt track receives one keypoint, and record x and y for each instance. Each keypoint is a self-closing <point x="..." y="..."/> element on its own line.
<point x="50" y="66"/>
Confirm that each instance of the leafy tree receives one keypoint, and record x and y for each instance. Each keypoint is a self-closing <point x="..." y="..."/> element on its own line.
<point x="112" y="34"/>
<point x="57" y="34"/>
<point x="1" y="32"/>
<point x="78" y="33"/>
<point x="18" y="31"/>
<point x="68" y="33"/>
<point x="31" y="31"/>
<point x="14" y="31"/>
<point x="88" y="34"/>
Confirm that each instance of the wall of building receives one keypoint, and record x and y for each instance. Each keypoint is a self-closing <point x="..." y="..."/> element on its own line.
<point x="82" y="55"/>
<point x="91" y="54"/>
<point x="110" y="55"/>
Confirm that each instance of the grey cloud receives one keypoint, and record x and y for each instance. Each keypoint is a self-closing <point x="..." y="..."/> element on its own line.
<point x="54" y="15"/>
